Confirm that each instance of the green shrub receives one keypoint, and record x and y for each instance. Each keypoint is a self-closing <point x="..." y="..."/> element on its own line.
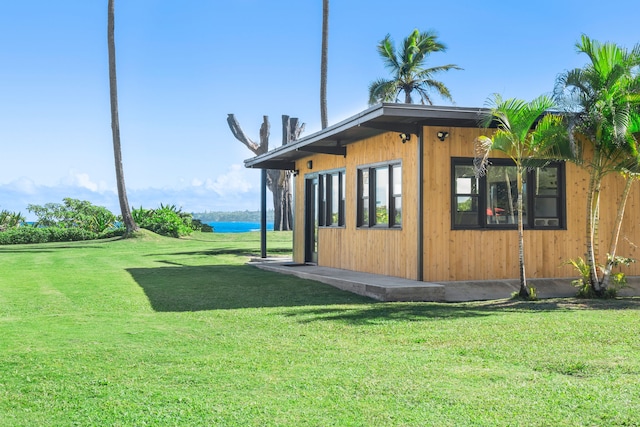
<point x="198" y="225"/>
<point x="22" y="235"/>
<point x="30" y="234"/>
<point x="166" y="221"/>
<point x="617" y="281"/>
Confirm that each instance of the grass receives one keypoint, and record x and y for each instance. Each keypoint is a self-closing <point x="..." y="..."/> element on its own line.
<point x="159" y="331"/>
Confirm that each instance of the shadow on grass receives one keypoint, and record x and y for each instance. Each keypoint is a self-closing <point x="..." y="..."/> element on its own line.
<point x="421" y="311"/>
<point x="221" y="287"/>
<point x="176" y="288"/>
<point x="230" y="250"/>
<point x="48" y="248"/>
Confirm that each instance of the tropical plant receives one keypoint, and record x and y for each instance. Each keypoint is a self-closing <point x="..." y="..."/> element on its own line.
<point x="603" y="99"/>
<point x="127" y="218"/>
<point x="323" y="64"/>
<point x="407" y="68"/>
<point x="530" y="137"/>
<point x="166" y="220"/>
<point x="10" y="220"/>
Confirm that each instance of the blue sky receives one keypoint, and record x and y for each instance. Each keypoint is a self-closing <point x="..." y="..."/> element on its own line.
<point x="183" y="66"/>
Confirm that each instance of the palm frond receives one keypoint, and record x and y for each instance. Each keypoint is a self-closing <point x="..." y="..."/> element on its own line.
<point x="383" y="90"/>
<point x="482" y="147"/>
<point x="387" y="52"/>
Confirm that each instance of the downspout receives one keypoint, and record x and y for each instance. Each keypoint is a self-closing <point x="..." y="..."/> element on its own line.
<point x="420" y="189"/>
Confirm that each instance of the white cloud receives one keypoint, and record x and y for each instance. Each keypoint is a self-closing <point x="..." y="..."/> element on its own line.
<point x="237" y="189"/>
<point x="23" y="185"/>
<point x="83" y="180"/>
<point x="233" y="182"/>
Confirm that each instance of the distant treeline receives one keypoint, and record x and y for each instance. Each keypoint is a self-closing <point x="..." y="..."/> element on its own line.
<point x="243" y="216"/>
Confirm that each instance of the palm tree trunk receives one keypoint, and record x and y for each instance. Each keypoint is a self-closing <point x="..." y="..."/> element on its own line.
<point x="524" y="291"/>
<point x="127" y="218"/>
<point x="592" y="207"/>
<point x="616" y="234"/>
<point x="323" y="64"/>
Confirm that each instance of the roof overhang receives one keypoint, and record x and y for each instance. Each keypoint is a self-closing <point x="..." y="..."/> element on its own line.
<point x="381" y="118"/>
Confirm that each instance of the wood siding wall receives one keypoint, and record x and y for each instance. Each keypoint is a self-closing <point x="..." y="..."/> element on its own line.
<point x="390" y="252"/>
<point x="450" y="255"/>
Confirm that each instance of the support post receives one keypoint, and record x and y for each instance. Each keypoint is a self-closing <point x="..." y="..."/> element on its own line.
<point x="263" y="213"/>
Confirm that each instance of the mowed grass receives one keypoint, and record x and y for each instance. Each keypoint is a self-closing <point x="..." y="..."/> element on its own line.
<point x="163" y="332"/>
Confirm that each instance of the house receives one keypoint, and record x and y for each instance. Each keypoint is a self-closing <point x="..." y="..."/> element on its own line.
<point x="392" y="191"/>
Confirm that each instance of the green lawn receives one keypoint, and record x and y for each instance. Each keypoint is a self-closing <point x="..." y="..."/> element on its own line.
<point x="166" y="332"/>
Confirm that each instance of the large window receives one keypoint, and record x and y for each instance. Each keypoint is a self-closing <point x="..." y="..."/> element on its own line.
<point x="331" y="199"/>
<point x="380" y="196"/>
<point x="490" y="201"/>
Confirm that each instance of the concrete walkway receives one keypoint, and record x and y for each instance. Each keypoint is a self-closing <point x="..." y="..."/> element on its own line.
<point x="387" y="288"/>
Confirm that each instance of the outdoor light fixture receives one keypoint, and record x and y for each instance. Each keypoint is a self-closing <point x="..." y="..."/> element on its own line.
<point x="405" y="137"/>
<point x="310" y="164"/>
<point x="442" y="135"/>
<point x="296" y="172"/>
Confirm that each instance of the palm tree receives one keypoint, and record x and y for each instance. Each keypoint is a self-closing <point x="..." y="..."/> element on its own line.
<point x="323" y="64"/>
<point x="604" y="97"/>
<point x="407" y="68"/>
<point x="529" y="139"/>
<point x="127" y="218"/>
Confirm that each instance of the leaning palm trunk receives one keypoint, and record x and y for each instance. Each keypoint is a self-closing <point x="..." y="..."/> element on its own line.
<point x="127" y="218"/>
<point x="524" y="290"/>
<point x="606" y="275"/>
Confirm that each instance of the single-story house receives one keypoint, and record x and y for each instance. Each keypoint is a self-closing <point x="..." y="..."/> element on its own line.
<point x="392" y="191"/>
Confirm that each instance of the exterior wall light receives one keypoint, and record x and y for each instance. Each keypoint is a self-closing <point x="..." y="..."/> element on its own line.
<point x="442" y="135"/>
<point x="405" y="137"/>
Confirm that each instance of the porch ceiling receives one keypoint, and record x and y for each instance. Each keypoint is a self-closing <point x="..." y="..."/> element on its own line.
<point x="381" y="118"/>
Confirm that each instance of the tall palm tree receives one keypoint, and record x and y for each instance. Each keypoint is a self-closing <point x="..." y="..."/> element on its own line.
<point x="407" y="68"/>
<point x="604" y="97"/>
<point x="529" y="138"/>
<point x="323" y="64"/>
<point x="127" y="218"/>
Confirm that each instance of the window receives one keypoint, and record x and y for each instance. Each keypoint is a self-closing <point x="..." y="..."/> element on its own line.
<point x="380" y="196"/>
<point x="490" y="201"/>
<point x="331" y="199"/>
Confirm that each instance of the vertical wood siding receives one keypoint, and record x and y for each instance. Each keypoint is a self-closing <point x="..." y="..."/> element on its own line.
<point x="493" y="254"/>
<point x="382" y="251"/>
<point x="450" y="255"/>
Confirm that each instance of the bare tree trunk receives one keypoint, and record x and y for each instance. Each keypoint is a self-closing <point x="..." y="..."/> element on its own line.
<point x="278" y="181"/>
<point x="323" y="64"/>
<point x="127" y="218"/>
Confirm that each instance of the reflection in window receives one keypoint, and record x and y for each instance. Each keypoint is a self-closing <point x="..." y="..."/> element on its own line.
<point x="502" y="195"/>
<point x="331" y="201"/>
<point x="380" y="193"/>
<point x="466" y="196"/>
<point x="396" y="180"/>
<point x="491" y="200"/>
<point x="335" y="199"/>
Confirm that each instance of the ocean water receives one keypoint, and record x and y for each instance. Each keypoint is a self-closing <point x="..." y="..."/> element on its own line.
<point x="238" y="227"/>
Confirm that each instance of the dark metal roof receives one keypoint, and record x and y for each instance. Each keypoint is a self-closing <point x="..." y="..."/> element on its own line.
<point x="381" y="118"/>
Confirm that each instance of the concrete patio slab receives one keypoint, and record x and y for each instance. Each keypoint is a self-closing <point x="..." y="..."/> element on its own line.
<point x="388" y="288"/>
